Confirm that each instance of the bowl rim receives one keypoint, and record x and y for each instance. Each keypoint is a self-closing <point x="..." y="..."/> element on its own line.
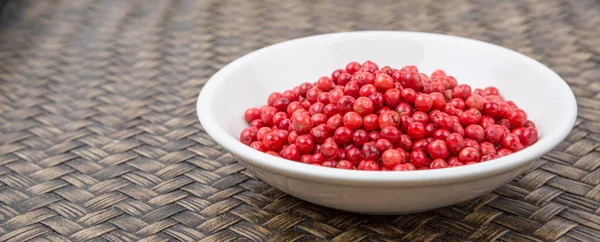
<point x="370" y="178"/>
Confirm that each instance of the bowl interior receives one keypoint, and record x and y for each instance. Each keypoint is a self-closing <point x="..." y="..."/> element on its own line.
<point x="248" y="81"/>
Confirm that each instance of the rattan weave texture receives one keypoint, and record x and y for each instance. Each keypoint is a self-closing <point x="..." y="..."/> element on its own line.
<point x="99" y="138"/>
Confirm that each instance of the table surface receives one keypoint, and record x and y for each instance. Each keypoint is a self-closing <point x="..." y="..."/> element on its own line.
<point x="99" y="138"/>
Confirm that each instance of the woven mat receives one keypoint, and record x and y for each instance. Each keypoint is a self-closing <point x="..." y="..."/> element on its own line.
<point x="99" y="138"/>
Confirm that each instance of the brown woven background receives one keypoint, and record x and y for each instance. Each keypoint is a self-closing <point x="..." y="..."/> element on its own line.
<point x="99" y="138"/>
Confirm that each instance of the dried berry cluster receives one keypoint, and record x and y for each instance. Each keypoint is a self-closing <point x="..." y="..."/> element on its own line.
<point x="369" y="118"/>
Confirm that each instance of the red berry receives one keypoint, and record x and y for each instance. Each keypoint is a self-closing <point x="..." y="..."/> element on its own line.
<point x="267" y="114"/>
<point x="475" y="101"/>
<point x="391" y="158"/>
<point x="423" y="102"/>
<point x="517" y="117"/>
<point x="495" y="133"/>
<point x="473" y="144"/>
<point x="334" y="122"/>
<point x="392" y="97"/>
<point x="353" y="120"/>
<point x="438" y="164"/>
<point x="248" y="135"/>
<point x="344" y="164"/>
<point x="273" y="142"/>
<point x="409" y="95"/>
<point x="468" y="154"/>
<point x="416" y="130"/>
<point x="344" y="78"/>
<point x="319" y="134"/>
<point x="529" y="136"/>
<point x="475" y="132"/>
<point x="363" y="106"/>
<point x="325" y="83"/>
<point x="487" y="148"/>
<point x="258" y="145"/>
<point x="343" y="135"/>
<point x="291" y="153"/>
<point x="491" y="91"/>
<point x="304" y="144"/>
<point x="359" y="137"/>
<point x="389" y="119"/>
<point x="345" y="104"/>
<point x="491" y="109"/>
<point x="390" y="133"/>
<point x="411" y="80"/>
<point x="353" y="67"/>
<point x="352" y="89"/>
<point x="252" y="114"/>
<point x="512" y="142"/>
<point x="438" y="149"/>
<point x="370" y="151"/>
<point x="455" y="143"/>
<point x="383" y="145"/>
<point x="384" y="82"/>
<point x="405" y="142"/>
<point x="317" y="158"/>
<point x="418" y="158"/>
<point x="367" y="90"/>
<point x="354" y="155"/>
<point x="404" y="109"/>
<point x="377" y="99"/>
<point x="363" y="78"/>
<point x="368" y="165"/>
<point x="504" y="152"/>
<point x="461" y="91"/>
<point x="441" y="134"/>
<point x="302" y="123"/>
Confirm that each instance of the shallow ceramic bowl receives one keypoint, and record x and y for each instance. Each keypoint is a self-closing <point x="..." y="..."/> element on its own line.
<point x="248" y="81"/>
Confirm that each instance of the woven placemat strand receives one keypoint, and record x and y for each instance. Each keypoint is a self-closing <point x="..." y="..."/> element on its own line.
<point x="99" y="138"/>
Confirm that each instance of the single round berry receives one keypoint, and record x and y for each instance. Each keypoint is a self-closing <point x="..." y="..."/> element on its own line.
<point x="329" y="150"/>
<point x="325" y="83"/>
<point x="495" y="133"/>
<point x="248" y="135"/>
<point x="438" y="149"/>
<point x="461" y="91"/>
<point x="411" y="80"/>
<point x="291" y="153"/>
<point x="367" y="90"/>
<point x="273" y="142"/>
<point x="512" y="142"/>
<point x="475" y="132"/>
<point x="252" y="114"/>
<point x="302" y="123"/>
<point x="384" y="82"/>
<point x="363" y="78"/>
<point x="368" y="165"/>
<point x="468" y="154"/>
<point x="455" y="143"/>
<point x="353" y="67"/>
<point x="517" y="117"/>
<point x="392" y="97"/>
<point x="343" y="135"/>
<point x="258" y="145"/>
<point x="409" y="95"/>
<point x="390" y="133"/>
<point x="353" y="120"/>
<point x="416" y="130"/>
<point x="418" y="158"/>
<point x="475" y="101"/>
<point x="304" y="144"/>
<point x="389" y="119"/>
<point x="363" y="106"/>
<point x="391" y="158"/>
<point x="352" y="89"/>
<point x="423" y="102"/>
<point x="334" y="122"/>
<point x="438" y="164"/>
<point x="529" y="136"/>
<point x="345" y="104"/>
<point x="370" y="151"/>
<point x="344" y="164"/>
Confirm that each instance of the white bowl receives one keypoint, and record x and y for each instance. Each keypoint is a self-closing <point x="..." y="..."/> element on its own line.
<point x="247" y="82"/>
